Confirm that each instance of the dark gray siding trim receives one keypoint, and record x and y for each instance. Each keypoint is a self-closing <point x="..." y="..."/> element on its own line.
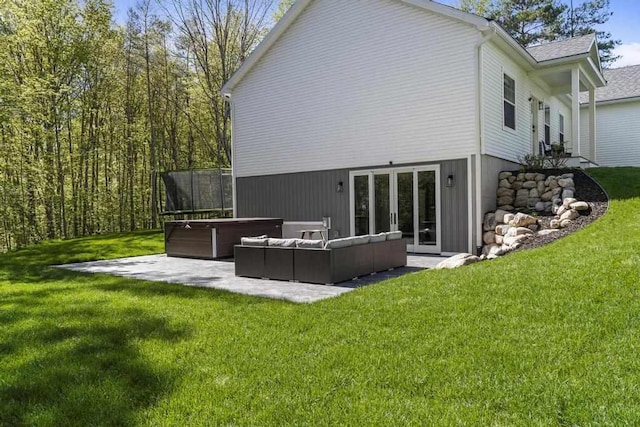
<point x="455" y="209"/>
<point x="309" y="196"/>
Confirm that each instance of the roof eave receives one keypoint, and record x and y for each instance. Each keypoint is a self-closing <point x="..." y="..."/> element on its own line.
<point x="562" y="60"/>
<point x="469" y="18"/>
<point x="613" y="101"/>
<point x="531" y="61"/>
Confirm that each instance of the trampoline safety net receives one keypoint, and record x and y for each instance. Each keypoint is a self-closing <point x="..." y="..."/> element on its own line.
<point x="196" y="191"/>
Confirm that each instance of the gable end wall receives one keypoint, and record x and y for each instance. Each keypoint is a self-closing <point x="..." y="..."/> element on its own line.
<point x="357" y="83"/>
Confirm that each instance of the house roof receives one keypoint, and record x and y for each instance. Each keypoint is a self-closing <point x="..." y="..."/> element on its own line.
<point x="622" y="83"/>
<point x="562" y="49"/>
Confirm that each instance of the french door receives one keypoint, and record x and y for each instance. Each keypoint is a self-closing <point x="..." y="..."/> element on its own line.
<point x="401" y="199"/>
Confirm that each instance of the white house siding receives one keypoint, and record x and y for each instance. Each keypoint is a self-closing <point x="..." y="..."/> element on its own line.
<point x="358" y="83"/>
<point x="617" y="133"/>
<point x="503" y="142"/>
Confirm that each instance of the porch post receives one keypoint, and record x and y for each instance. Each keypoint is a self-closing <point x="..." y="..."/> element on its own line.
<point x="575" y="110"/>
<point x="592" y="125"/>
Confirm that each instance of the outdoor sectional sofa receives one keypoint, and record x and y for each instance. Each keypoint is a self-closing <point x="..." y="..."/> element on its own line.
<point x="313" y="261"/>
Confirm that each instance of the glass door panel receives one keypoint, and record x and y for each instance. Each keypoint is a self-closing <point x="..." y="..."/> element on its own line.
<point x="361" y="204"/>
<point x="382" y="188"/>
<point x="427" y="217"/>
<point x="404" y="200"/>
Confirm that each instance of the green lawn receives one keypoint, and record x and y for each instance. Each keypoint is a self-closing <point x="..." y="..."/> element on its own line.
<point x="548" y="336"/>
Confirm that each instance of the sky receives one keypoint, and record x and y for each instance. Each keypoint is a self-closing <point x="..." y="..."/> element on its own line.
<point x="623" y="25"/>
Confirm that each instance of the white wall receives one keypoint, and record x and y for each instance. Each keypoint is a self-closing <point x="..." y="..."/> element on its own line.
<point x="503" y="142"/>
<point x="617" y="134"/>
<point x="358" y="83"/>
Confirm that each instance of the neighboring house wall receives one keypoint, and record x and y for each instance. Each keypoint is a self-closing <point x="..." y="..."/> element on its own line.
<point x="617" y="133"/>
<point x="500" y="141"/>
<point x="333" y="93"/>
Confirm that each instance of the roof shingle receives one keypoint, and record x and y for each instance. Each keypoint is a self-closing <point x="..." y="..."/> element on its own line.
<point x="562" y="48"/>
<point x="621" y="83"/>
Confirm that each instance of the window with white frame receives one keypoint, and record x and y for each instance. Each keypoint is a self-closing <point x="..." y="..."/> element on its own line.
<point x="509" y="95"/>
<point x="547" y="126"/>
<point x="561" y="127"/>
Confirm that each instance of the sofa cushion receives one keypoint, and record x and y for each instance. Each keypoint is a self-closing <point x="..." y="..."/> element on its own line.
<point x="394" y="235"/>
<point x="283" y="243"/>
<point x="254" y="241"/>
<point x="375" y="238"/>
<point x="359" y="240"/>
<point x="338" y="243"/>
<point x="313" y="244"/>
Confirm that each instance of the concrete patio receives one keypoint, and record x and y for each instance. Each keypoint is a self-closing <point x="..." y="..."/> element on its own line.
<point x="220" y="275"/>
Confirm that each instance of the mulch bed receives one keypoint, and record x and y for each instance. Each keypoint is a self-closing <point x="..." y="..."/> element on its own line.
<point x="587" y="190"/>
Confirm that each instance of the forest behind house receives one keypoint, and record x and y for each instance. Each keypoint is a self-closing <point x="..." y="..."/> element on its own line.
<point x="91" y="111"/>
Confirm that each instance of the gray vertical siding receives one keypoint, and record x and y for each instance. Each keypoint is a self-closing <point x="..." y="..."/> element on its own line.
<point x="491" y="168"/>
<point x="309" y="196"/>
<point x="455" y="206"/>
<point x="306" y="196"/>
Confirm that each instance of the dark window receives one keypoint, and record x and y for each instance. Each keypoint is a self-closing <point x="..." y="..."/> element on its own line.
<point x="561" y="129"/>
<point x="509" y="102"/>
<point x="547" y="126"/>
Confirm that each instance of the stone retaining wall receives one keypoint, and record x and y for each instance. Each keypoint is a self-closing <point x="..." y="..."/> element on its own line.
<point x="521" y="194"/>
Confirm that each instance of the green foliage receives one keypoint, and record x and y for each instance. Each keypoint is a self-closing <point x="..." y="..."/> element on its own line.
<point x="536" y="21"/>
<point x="585" y="18"/>
<point x="477" y="7"/>
<point x="532" y="162"/>
<point x="90" y="110"/>
<point x="496" y="343"/>
<point x="530" y="21"/>
<point x="283" y="6"/>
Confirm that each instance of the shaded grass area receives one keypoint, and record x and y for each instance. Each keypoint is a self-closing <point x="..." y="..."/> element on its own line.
<point x="547" y="336"/>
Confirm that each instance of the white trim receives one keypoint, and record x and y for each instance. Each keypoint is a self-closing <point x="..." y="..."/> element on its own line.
<point x="613" y="101"/>
<point x="479" y="213"/>
<point x="575" y="110"/>
<point x="513" y="44"/>
<point x="547" y="109"/>
<point x="234" y="193"/>
<point x="480" y="92"/>
<point x="393" y="201"/>
<point x="470" y="204"/>
<point x="593" y="145"/>
<point x="515" y="103"/>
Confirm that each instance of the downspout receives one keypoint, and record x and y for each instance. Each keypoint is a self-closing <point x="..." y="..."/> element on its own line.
<point x="487" y="34"/>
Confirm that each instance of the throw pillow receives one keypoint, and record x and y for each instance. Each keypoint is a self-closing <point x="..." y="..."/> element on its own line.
<point x="253" y="241"/>
<point x="283" y="243"/>
<point x="375" y="238"/>
<point x="313" y="244"/>
<point x="394" y="235"/>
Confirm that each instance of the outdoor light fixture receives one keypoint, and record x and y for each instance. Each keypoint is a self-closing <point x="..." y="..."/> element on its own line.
<point x="540" y="105"/>
<point x="339" y="187"/>
<point x="450" y="181"/>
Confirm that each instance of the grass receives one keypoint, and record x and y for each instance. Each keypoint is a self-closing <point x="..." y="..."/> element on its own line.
<point x="547" y="336"/>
